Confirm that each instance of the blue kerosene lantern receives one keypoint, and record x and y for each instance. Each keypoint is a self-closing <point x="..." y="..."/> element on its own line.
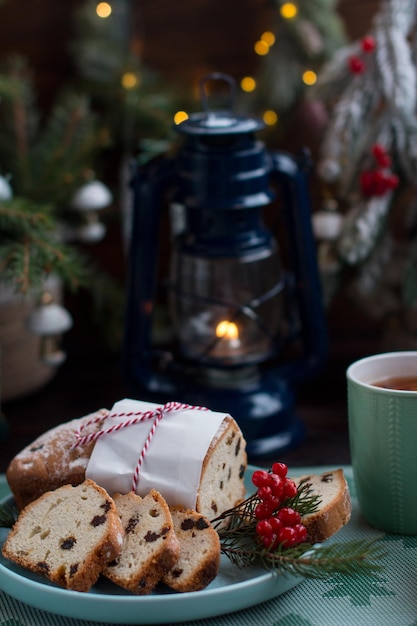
<point x="246" y="325"/>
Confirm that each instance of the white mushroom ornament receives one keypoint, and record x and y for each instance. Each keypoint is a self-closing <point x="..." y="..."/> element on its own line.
<point x="6" y="192"/>
<point x="49" y="321"/>
<point x="89" y="200"/>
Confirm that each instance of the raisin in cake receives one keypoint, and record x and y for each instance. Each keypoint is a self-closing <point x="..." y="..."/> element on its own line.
<point x="335" y="504"/>
<point x="150" y="547"/>
<point x="199" y="559"/>
<point x="68" y="535"/>
<point x="222" y="475"/>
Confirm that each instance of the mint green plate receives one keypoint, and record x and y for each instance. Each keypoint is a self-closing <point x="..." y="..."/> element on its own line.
<point x="232" y="590"/>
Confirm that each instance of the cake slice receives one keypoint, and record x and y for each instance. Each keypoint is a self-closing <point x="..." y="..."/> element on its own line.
<point x="150" y="547"/>
<point x="67" y="535"/>
<point x="199" y="559"/>
<point x="335" y="504"/>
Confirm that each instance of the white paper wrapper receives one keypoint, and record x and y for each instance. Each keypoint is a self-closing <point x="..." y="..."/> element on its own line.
<point x="173" y="462"/>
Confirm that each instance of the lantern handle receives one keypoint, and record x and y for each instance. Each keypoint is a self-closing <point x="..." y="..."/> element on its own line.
<point x="217" y="76"/>
<point x="292" y="176"/>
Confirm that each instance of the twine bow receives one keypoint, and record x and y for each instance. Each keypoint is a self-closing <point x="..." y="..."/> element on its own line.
<point x="132" y="417"/>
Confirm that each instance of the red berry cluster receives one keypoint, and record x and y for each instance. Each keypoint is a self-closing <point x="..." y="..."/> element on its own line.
<point x="378" y="181"/>
<point x="368" y="43"/>
<point x="277" y="524"/>
<point x="356" y="63"/>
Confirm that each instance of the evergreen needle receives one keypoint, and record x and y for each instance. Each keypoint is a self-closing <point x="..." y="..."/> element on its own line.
<point x="348" y="558"/>
<point x="240" y="543"/>
<point x="8" y="515"/>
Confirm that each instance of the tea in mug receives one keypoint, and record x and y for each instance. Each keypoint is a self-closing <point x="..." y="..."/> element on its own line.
<point x="401" y="383"/>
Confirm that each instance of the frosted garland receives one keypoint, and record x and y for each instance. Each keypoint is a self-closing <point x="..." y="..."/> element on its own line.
<point x="346" y="132"/>
<point x="407" y="138"/>
<point x="396" y="72"/>
<point x="362" y="225"/>
<point x="370" y="88"/>
<point x="389" y="81"/>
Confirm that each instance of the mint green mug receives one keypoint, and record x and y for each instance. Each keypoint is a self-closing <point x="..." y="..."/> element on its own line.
<point x="383" y="439"/>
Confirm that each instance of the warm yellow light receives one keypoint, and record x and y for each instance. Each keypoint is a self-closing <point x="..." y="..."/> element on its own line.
<point x="309" y="77"/>
<point x="103" y="9"/>
<point x="180" y="116"/>
<point x="248" y="84"/>
<point x="270" y="118"/>
<point x="261" y="47"/>
<point x="129" y="80"/>
<point x="268" y="38"/>
<point x="288" y="10"/>
<point x="227" y="330"/>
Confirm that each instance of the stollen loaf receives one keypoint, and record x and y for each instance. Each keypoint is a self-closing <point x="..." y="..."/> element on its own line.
<point x="50" y="461"/>
<point x="194" y="457"/>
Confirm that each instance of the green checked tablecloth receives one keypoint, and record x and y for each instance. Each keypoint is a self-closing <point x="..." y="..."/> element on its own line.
<point x="388" y="599"/>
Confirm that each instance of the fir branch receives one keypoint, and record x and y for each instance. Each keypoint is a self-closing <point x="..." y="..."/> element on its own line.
<point x="305" y="501"/>
<point x="20" y="122"/>
<point x="306" y="560"/>
<point x="26" y="263"/>
<point x="46" y="158"/>
<point x="241" y="518"/>
<point x="237" y="516"/>
<point x="64" y="150"/>
<point x="8" y="515"/>
<point x="348" y="558"/>
<point x="20" y="216"/>
<point x="236" y="528"/>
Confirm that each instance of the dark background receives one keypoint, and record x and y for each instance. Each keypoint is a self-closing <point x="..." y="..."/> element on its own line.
<point x="181" y="39"/>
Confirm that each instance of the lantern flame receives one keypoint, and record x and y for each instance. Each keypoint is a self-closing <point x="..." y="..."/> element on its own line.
<point x="227" y="330"/>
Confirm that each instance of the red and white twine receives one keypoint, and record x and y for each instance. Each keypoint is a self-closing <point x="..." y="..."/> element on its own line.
<point x="132" y="417"/>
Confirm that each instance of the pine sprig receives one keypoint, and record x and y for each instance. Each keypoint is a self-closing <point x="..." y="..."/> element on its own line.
<point x="348" y="558"/>
<point x="64" y="150"/>
<point x="239" y="542"/>
<point x="242" y="519"/>
<point x="30" y="249"/>
<point x="8" y="515"/>
<point x="21" y="217"/>
<point x="46" y="159"/>
<point x="305" y="501"/>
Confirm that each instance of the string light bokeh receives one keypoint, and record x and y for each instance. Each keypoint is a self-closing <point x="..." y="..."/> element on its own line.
<point x="288" y="11"/>
<point x="103" y="9"/>
<point x="248" y="84"/>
